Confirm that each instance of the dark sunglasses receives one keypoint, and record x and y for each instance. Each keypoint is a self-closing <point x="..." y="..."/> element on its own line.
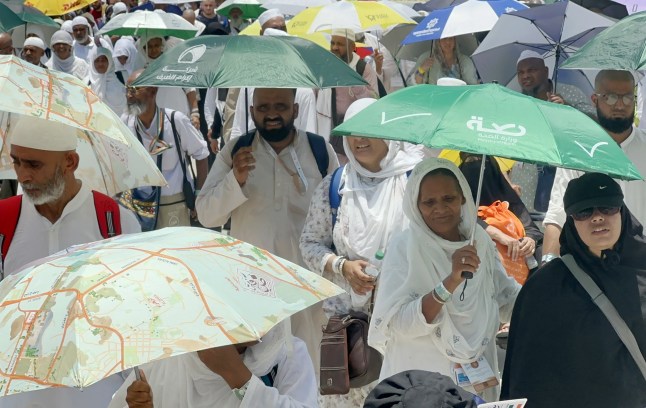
<point x="587" y="213"/>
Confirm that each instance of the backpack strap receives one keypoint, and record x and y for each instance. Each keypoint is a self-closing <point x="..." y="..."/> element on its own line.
<point x="319" y="149"/>
<point x="269" y="379"/>
<point x="335" y="196"/>
<point x="361" y="67"/>
<point x="10" y="209"/>
<point x="243" y="141"/>
<point x="119" y="75"/>
<point x="107" y="215"/>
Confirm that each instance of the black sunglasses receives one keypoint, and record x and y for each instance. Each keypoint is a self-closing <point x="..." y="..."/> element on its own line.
<point x="587" y="213"/>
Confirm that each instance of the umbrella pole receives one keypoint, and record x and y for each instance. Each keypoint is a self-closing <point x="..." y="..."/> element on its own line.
<point x="469" y="275"/>
<point x="246" y="111"/>
<point x="137" y="373"/>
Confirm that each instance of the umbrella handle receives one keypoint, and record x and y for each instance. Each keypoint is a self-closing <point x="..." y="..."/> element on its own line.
<point x="137" y="373"/>
<point x="465" y="274"/>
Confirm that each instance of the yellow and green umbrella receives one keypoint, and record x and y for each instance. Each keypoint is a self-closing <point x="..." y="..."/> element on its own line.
<point x="317" y="38"/>
<point x="79" y="316"/>
<point x="352" y="15"/>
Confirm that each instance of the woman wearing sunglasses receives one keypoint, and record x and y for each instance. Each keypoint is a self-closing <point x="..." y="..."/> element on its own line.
<point x="563" y="351"/>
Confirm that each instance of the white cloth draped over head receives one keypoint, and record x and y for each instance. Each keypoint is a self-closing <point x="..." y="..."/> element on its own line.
<point x="373" y="201"/>
<point x="107" y="86"/>
<point x="143" y="60"/>
<point x="71" y="65"/>
<point x="429" y="262"/>
<point x="185" y="382"/>
<point x="125" y="47"/>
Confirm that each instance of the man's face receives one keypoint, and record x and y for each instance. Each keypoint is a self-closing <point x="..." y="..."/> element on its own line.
<point x="277" y="23"/>
<point x="6" y="44"/>
<point x="154" y="48"/>
<point x="62" y="51"/>
<point x="617" y="117"/>
<point x="235" y="14"/>
<point x="80" y="33"/>
<point x="273" y="112"/>
<point x="40" y="173"/>
<point x="32" y="54"/>
<point x="532" y="74"/>
<point x="341" y="47"/>
<point x="207" y="8"/>
<point x="138" y="98"/>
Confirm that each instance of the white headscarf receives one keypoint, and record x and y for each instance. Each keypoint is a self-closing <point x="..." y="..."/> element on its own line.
<point x="373" y="201"/>
<point x="125" y="47"/>
<point x="107" y="86"/>
<point x="185" y="382"/>
<point x="143" y="60"/>
<point x="71" y="65"/>
<point x="472" y="321"/>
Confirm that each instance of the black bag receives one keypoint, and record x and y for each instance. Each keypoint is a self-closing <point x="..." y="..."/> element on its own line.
<point x="187" y="187"/>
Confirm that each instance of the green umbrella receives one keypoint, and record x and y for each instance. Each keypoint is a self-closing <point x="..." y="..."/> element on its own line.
<point x="8" y="19"/>
<point x="493" y="120"/>
<point x="149" y="24"/>
<point x="29" y="14"/>
<point x="248" y="61"/>
<point x="620" y="46"/>
<point x="249" y="8"/>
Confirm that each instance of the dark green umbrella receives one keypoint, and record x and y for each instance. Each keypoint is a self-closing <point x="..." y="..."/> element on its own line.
<point x="29" y="14"/>
<point x="8" y="19"/>
<point x="620" y="46"/>
<point x="249" y="61"/>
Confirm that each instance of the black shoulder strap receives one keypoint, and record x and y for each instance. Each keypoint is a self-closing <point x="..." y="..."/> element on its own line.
<point x="119" y="75"/>
<point x="243" y="141"/>
<point x="319" y="149"/>
<point x="361" y="67"/>
<point x="178" y="143"/>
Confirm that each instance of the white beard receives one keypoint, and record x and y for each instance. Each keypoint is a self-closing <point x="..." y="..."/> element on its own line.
<point x="50" y="192"/>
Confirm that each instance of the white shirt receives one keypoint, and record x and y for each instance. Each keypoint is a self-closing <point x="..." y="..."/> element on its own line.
<point x="306" y="119"/>
<point x="36" y="237"/>
<point x="634" y="191"/>
<point x="192" y="142"/>
<point x="87" y="51"/>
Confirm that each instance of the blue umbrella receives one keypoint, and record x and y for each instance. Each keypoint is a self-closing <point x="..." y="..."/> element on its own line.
<point x="472" y="16"/>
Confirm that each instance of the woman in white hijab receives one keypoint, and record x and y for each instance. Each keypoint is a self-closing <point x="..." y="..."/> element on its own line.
<point x="431" y="318"/>
<point x="125" y="56"/>
<point x="104" y="81"/>
<point x="279" y="370"/>
<point x="370" y="212"/>
<point x="63" y="58"/>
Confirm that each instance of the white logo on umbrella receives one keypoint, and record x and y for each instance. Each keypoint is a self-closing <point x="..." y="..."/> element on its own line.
<point x="594" y="148"/>
<point x="509" y="129"/>
<point x="432" y="23"/>
<point x="192" y="55"/>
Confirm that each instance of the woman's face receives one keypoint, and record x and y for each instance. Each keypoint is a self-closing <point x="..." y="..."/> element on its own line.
<point x="440" y="203"/>
<point x="62" y="51"/>
<point x="368" y="152"/>
<point x="155" y="48"/>
<point x="101" y="64"/>
<point x="599" y="231"/>
<point x="447" y="45"/>
<point x="123" y="59"/>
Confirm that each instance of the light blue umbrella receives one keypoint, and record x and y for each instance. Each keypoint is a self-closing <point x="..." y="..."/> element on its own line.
<point x="472" y="16"/>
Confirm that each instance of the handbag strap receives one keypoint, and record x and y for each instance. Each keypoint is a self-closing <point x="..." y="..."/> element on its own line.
<point x="602" y="301"/>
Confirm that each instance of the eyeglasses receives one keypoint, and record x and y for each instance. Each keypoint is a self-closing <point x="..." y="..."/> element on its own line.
<point x="585" y="214"/>
<point x="612" y="98"/>
<point x="132" y="89"/>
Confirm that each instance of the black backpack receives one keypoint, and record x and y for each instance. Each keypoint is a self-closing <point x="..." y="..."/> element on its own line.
<point x="361" y="67"/>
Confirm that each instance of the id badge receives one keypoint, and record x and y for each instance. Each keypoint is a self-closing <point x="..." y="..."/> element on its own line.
<point x="517" y="403"/>
<point x="480" y="374"/>
<point x="459" y="375"/>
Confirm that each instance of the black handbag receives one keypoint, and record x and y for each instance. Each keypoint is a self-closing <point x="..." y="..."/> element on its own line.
<point x="188" y="189"/>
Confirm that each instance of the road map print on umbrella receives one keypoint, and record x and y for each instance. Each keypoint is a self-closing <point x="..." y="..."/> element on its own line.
<point x="81" y="316"/>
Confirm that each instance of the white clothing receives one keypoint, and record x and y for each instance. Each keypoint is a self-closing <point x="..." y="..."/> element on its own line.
<point x="174" y="98"/>
<point x="36" y="237"/>
<point x="191" y="140"/>
<point x="72" y="65"/>
<point x="390" y="77"/>
<point x="200" y="27"/>
<point x="86" y="51"/>
<point x="125" y="46"/>
<point x="107" y="86"/>
<point x="211" y="105"/>
<point x="416" y="261"/>
<point x="185" y="382"/>
<point x="641" y="102"/>
<point x="634" y="191"/>
<point x="306" y="119"/>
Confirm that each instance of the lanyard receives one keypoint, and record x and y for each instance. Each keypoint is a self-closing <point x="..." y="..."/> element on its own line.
<point x="157" y="144"/>
<point x="297" y="163"/>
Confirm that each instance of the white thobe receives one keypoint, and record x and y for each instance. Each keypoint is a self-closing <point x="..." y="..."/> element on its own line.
<point x="268" y="211"/>
<point x="36" y="237"/>
<point x="634" y="191"/>
<point x="306" y="112"/>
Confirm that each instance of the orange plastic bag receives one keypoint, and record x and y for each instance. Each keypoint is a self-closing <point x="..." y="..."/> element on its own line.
<point x="498" y="215"/>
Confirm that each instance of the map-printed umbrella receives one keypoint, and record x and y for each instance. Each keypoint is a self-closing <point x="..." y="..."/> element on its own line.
<point x="103" y="307"/>
<point x="112" y="160"/>
<point x="224" y="61"/>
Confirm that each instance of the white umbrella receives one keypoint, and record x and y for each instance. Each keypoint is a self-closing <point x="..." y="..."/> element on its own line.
<point x="149" y="24"/>
<point x="293" y="7"/>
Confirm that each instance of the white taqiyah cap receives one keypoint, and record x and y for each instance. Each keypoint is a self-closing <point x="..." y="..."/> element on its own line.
<point x="268" y="15"/>
<point x="80" y="20"/>
<point x="35" y="42"/>
<point x="118" y="8"/>
<point x="357" y="106"/>
<point x="448" y="81"/>
<point x="42" y="134"/>
<point x="345" y="32"/>
<point x="529" y="54"/>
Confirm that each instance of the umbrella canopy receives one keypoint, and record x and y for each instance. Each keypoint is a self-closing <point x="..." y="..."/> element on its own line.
<point x="250" y="8"/>
<point x="111" y="158"/>
<point x="622" y="46"/>
<point x="248" y="61"/>
<point x="556" y="30"/>
<point x="352" y="15"/>
<point x="100" y="308"/>
<point x="401" y="8"/>
<point x="318" y="38"/>
<point x="29" y="14"/>
<point x="293" y="7"/>
<point x="493" y="120"/>
<point x="149" y="24"/>
<point x="472" y="16"/>
<point x="633" y="6"/>
<point x="58" y="7"/>
<point x="393" y="38"/>
<point x="432" y="5"/>
<point x="8" y="19"/>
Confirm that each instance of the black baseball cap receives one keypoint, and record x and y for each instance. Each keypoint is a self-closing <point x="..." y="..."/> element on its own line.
<point x="592" y="190"/>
